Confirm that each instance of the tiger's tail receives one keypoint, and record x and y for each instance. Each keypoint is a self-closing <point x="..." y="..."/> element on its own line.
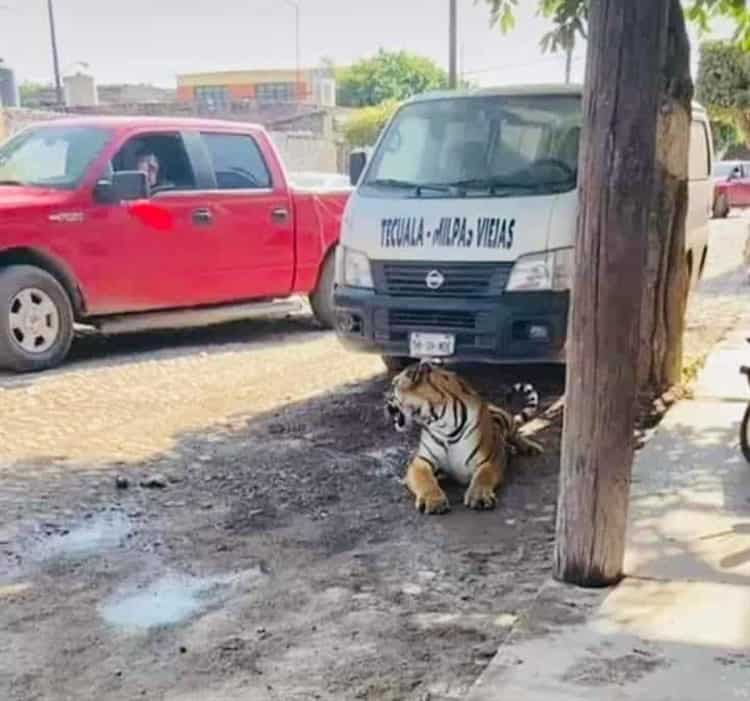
<point x="527" y="394"/>
<point x="518" y="443"/>
<point x="521" y="393"/>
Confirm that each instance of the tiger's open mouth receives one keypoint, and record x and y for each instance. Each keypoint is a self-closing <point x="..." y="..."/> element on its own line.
<point x="396" y="415"/>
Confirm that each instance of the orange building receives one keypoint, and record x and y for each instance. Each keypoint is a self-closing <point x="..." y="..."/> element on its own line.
<point x="216" y="90"/>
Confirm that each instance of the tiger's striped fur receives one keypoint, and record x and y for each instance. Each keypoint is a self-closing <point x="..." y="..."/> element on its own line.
<point x="462" y="435"/>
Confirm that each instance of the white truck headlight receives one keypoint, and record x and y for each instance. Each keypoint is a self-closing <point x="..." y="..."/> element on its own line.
<point x="551" y="270"/>
<point x="354" y="269"/>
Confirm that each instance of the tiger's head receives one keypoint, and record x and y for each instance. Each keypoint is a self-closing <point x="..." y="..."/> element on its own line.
<point x="419" y="394"/>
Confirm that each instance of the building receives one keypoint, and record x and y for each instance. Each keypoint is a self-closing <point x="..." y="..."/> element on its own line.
<point x="8" y="87"/>
<point x="216" y="91"/>
<point x="36" y="96"/>
<point x="132" y="93"/>
<point x="80" y="90"/>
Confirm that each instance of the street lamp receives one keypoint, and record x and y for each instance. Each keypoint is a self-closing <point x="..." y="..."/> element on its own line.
<point x="294" y="4"/>
<point x="55" y="58"/>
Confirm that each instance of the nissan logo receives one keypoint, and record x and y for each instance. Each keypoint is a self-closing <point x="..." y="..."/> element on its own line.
<point x="434" y="280"/>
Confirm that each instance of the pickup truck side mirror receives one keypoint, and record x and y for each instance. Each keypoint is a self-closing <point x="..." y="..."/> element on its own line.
<point x="124" y="186"/>
<point x="357" y="163"/>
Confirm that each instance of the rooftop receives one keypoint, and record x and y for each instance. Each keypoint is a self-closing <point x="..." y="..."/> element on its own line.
<point x="137" y="122"/>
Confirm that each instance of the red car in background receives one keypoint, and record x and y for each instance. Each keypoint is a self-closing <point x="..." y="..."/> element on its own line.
<point x="86" y="237"/>
<point x="731" y="186"/>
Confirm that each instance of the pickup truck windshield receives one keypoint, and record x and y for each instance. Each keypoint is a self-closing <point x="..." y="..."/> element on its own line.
<point x="55" y="157"/>
<point x="480" y="146"/>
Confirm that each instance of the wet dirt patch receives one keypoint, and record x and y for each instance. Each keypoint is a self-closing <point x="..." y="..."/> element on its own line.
<point x="94" y="535"/>
<point x="170" y="600"/>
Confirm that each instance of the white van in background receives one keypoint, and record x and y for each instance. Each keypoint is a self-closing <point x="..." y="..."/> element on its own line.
<point x="700" y="193"/>
<point x="458" y="241"/>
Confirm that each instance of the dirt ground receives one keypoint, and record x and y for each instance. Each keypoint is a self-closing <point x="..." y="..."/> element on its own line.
<point x="281" y="560"/>
<point x="218" y="515"/>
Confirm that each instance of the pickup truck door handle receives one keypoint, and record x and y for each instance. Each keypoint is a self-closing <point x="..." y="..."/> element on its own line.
<point x="280" y="215"/>
<point x="202" y="216"/>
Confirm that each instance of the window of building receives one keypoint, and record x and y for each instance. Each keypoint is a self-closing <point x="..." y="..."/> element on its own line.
<point x="276" y="92"/>
<point x="215" y="98"/>
<point x="237" y="161"/>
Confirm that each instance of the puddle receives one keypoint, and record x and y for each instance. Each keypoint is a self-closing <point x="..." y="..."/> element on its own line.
<point x="104" y="532"/>
<point x="168" y="601"/>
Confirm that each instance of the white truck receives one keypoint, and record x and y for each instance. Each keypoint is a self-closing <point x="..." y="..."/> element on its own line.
<point x="458" y="241"/>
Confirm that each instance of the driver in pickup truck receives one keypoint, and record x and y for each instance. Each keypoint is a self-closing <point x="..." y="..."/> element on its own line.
<point x="148" y="163"/>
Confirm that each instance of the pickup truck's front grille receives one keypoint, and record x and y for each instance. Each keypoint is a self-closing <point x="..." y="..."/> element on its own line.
<point x="420" y="318"/>
<point x="461" y="280"/>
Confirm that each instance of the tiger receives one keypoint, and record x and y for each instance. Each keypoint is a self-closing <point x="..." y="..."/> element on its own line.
<point x="463" y="436"/>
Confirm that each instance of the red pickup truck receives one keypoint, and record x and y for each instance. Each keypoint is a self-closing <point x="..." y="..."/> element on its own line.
<point x="127" y="224"/>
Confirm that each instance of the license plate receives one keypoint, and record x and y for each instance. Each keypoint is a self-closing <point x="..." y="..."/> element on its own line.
<point x="431" y="345"/>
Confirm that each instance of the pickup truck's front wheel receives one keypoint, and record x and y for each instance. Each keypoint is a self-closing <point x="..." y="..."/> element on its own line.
<point x="36" y="320"/>
<point x="321" y="299"/>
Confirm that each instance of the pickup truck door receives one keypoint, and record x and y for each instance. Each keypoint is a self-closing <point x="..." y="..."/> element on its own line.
<point x="742" y="186"/>
<point x="154" y="254"/>
<point x="737" y="187"/>
<point x="252" y="217"/>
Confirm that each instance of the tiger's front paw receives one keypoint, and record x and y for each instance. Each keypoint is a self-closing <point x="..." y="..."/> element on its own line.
<point x="433" y="502"/>
<point x="480" y="497"/>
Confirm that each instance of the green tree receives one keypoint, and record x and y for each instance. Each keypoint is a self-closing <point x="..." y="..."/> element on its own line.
<point x="570" y="17"/>
<point x="364" y="126"/>
<point x="388" y="76"/>
<point x="723" y="86"/>
<point x="29" y="90"/>
<point x="729" y="142"/>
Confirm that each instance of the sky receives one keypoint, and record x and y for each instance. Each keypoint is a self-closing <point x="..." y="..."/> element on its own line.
<point x="151" y="41"/>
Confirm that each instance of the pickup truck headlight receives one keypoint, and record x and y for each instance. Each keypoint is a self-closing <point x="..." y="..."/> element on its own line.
<point x="355" y="269"/>
<point x="551" y="270"/>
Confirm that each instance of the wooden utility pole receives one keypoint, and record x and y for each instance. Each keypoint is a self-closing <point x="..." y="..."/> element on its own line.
<point x="627" y="43"/>
<point x="452" y="42"/>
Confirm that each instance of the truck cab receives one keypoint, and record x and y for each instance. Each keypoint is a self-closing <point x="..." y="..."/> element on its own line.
<point x="459" y="239"/>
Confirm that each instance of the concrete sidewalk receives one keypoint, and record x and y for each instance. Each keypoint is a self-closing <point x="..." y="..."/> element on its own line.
<point x="678" y="628"/>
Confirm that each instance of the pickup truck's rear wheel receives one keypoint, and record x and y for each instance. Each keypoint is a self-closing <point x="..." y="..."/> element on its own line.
<point x="36" y="320"/>
<point x="321" y="299"/>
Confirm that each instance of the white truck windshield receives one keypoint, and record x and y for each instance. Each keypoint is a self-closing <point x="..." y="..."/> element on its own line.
<point x="480" y="146"/>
